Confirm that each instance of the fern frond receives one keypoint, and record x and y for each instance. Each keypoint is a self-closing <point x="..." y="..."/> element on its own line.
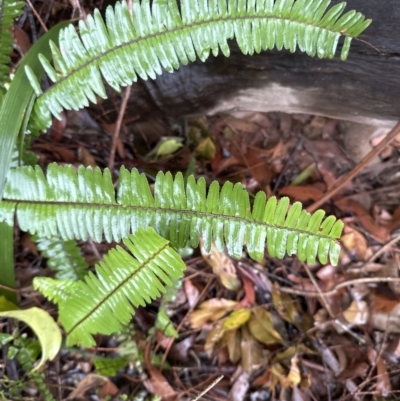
<point x="56" y="291"/>
<point x="64" y="257"/>
<point x="162" y="35"/>
<point x="82" y="204"/>
<point x="9" y="10"/>
<point x="104" y="303"/>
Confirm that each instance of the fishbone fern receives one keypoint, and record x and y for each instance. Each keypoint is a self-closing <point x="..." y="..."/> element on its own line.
<point x="83" y="204"/>
<point x="9" y="10"/>
<point x="162" y="35"/>
<point x="104" y="303"/>
<point x="64" y="257"/>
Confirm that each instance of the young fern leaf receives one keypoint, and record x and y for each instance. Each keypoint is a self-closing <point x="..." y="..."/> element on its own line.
<point x="162" y="35"/>
<point x="104" y="303"/>
<point x="9" y="10"/>
<point x="84" y="204"/>
<point x="64" y="257"/>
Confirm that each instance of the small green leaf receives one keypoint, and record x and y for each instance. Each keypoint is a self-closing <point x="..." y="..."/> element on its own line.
<point x="46" y="329"/>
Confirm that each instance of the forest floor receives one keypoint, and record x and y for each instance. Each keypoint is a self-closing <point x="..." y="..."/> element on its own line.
<point x="295" y="332"/>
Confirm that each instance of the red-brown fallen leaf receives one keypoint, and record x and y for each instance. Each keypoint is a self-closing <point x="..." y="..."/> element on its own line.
<point x="365" y="219"/>
<point x="21" y="40"/>
<point x="249" y="293"/>
<point x="157" y="384"/>
<point x="383" y="386"/>
<point x="91" y="381"/>
<point x="27" y="243"/>
<point x="108" y="389"/>
<point x="382" y="303"/>
<point x="65" y="154"/>
<point x="58" y="127"/>
<point x="302" y="193"/>
<point x="395" y="222"/>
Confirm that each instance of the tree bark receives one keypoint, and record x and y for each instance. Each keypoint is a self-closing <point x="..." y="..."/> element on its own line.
<point x="364" y="89"/>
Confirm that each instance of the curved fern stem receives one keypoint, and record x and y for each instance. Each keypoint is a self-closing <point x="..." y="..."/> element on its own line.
<point x="84" y="204"/>
<point x="160" y="35"/>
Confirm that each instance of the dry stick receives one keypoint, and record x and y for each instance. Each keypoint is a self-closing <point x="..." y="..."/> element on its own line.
<point x="213" y="384"/>
<point x="337" y="287"/>
<point x="76" y="5"/>
<point x="328" y="307"/>
<point x="362" y="280"/>
<point x="351" y="174"/>
<point x="118" y="126"/>
<point x="37" y="16"/>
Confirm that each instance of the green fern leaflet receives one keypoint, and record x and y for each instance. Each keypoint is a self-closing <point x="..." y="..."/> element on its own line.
<point x="64" y="257"/>
<point x="104" y="303"/>
<point x="9" y="10"/>
<point x="78" y="205"/>
<point x="162" y="36"/>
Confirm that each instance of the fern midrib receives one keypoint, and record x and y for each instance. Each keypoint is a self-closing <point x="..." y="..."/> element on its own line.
<point x="174" y="30"/>
<point x="154" y="209"/>
<point x="105" y="299"/>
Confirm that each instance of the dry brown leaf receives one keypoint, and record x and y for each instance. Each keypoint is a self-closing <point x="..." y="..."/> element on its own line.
<point x="65" y="154"/>
<point x="21" y="40"/>
<point x="383" y="386"/>
<point x="387" y="322"/>
<point x="27" y="243"/>
<point x="354" y="242"/>
<point x="157" y="384"/>
<point x="108" y="389"/>
<point x="233" y="339"/>
<point x="222" y="266"/>
<point x="214" y="337"/>
<point x="91" y="381"/>
<point x="251" y="352"/>
<point x="357" y="313"/>
<point x="382" y="303"/>
<point x="192" y="293"/>
<point x="290" y="309"/>
<point x="302" y="193"/>
<point x="211" y="310"/>
<point x="350" y="206"/>
<point x="262" y="328"/>
<point x="86" y="158"/>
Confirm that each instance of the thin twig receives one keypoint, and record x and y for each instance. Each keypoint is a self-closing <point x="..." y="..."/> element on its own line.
<point x="328" y="307"/>
<point x="118" y="126"/>
<point x="76" y="5"/>
<point x="213" y="384"/>
<point x="383" y="249"/>
<point x="343" y="284"/>
<point x="351" y="174"/>
<point x="39" y="18"/>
